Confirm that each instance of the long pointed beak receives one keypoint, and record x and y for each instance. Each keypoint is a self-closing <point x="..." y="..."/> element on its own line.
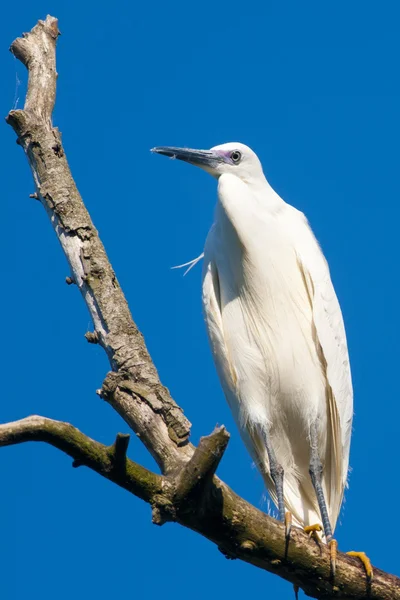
<point x="201" y="158"/>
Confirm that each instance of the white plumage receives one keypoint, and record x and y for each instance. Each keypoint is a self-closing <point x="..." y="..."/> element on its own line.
<point x="276" y="332"/>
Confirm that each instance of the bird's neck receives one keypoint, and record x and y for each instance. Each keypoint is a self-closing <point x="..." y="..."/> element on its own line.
<point x="251" y="195"/>
<point x="265" y="194"/>
<point x="246" y="210"/>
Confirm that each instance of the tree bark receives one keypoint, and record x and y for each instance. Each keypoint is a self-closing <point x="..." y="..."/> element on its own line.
<point x="188" y="491"/>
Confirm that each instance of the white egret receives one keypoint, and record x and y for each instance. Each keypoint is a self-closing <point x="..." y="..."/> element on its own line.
<point x="277" y="336"/>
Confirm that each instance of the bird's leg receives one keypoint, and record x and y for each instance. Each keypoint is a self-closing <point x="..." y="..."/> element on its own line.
<point x="316" y="470"/>
<point x="276" y="472"/>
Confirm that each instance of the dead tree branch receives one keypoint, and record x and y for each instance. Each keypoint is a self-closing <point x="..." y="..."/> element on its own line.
<point x="133" y="388"/>
<point x="239" y="529"/>
<point x="187" y="492"/>
<point x="85" y="451"/>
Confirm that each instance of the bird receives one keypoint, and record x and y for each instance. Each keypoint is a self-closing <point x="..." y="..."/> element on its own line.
<point x="278" y="340"/>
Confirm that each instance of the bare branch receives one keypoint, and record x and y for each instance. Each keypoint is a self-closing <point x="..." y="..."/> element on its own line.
<point x="151" y="412"/>
<point x="85" y="451"/>
<point x="238" y="528"/>
<point x="36" y="50"/>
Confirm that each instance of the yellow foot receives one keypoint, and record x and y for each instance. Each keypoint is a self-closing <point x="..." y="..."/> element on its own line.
<point x="365" y="561"/>
<point x="288" y="525"/>
<point x="312" y="530"/>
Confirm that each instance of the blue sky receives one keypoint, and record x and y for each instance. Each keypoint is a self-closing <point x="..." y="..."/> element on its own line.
<point x="313" y="88"/>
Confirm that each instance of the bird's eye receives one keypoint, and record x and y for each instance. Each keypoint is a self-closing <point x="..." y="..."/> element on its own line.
<point x="236" y="156"/>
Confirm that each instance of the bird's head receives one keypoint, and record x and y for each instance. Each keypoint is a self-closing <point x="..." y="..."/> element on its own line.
<point x="234" y="158"/>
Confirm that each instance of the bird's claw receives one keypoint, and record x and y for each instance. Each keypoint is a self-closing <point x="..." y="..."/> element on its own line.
<point x="365" y="561"/>
<point x="313" y="530"/>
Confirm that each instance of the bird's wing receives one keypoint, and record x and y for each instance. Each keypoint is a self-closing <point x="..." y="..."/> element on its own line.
<point x="213" y="318"/>
<point x="331" y="337"/>
<point x="298" y="500"/>
<point x="225" y="368"/>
